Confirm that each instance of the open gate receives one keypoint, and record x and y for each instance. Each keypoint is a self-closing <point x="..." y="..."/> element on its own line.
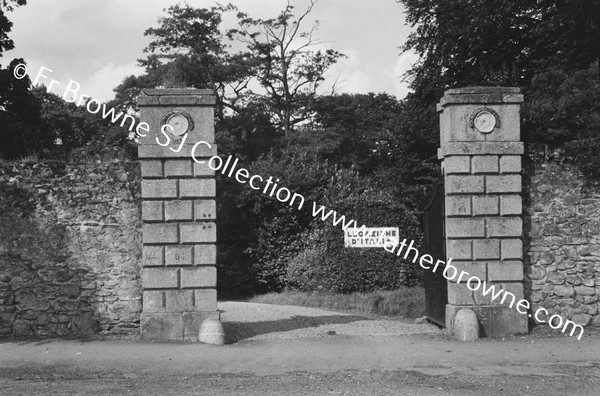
<point x="436" y="287"/>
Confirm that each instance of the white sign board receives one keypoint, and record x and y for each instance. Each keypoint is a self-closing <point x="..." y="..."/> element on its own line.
<point x="371" y="237"/>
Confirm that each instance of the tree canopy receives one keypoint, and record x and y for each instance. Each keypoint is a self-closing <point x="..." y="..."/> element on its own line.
<point x="6" y="43"/>
<point x="474" y="42"/>
<point x="523" y="43"/>
<point x="269" y="66"/>
<point x="19" y="111"/>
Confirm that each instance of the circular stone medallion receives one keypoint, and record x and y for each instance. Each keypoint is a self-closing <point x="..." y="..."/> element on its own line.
<point x="484" y="120"/>
<point x="179" y="121"/>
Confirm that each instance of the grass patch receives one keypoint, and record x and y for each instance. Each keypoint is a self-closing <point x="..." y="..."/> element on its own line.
<point x="408" y="302"/>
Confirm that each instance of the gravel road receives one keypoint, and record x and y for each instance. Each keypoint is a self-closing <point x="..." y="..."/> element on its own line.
<point x="244" y="321"/>
<point x="286" y="350"/>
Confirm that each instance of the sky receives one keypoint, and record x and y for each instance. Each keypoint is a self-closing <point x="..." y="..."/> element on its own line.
<point x="97" y="42"/>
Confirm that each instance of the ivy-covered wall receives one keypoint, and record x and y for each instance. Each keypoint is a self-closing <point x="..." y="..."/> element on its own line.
<point x="70" y="248"/>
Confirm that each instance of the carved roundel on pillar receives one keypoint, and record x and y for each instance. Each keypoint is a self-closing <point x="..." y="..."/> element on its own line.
<point x="179" y="121"/>
<point x="484" y="120"/>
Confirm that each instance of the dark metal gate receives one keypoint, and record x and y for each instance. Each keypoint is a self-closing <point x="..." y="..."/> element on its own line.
<point x="436" y="287"/>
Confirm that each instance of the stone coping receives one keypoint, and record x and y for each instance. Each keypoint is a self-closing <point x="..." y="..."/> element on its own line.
<point x="197" y="99"/>
<point x="156" y="151"/>
<point x="480" y="148"/>
<point x="480" y="95"/>
<point x="177" y="91"/>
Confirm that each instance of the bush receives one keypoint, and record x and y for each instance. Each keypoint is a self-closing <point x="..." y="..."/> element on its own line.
<point x="276" y="226"/>
<point x="323" y="263"/>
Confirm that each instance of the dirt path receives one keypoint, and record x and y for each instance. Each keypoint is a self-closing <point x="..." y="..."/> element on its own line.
<point x="293" y="352"/>
<point x="253" y="322"/>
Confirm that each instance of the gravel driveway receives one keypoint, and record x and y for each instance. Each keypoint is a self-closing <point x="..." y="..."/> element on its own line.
<point x="288" y="350"/>
<point x="253" y="321"/>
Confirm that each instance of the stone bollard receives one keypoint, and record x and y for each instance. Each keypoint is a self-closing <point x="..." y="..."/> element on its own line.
<point x="211" y="332"/>
<point x="466" y="325"/>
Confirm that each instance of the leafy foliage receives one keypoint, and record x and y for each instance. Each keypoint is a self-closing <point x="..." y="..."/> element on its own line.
<point x="278" y="225"/>
<point x="323" y="263"/>
<point x="528" y="43"/>
<point x="283" y="63"/>
<point x="460" y="44"/>
<point x="6" y="44"/>
<point x="563" y="106"/>
<point x="38" y="123"/>
<point x="563" y="109"/>
<point x="16" y="102"/>
<point x="46" y="125"/>
<point x="19" y="116"/>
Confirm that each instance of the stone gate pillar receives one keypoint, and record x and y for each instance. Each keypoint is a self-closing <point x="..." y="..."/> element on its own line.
<point x="481" y="160"/>
<point x="178" y="211"/>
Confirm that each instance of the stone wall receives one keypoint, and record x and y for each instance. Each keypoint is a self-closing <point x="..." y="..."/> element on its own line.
<point x="562" y="228"/>
<point x="70" y="249"/>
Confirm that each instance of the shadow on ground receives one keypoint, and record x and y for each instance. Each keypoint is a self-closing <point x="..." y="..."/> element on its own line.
<point x="237" y="331"/>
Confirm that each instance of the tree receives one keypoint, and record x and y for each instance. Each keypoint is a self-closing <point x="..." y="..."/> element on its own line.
<point x="363" y="125"/>
<point x="285" y="65"/>
<point x="563" y="106"/>
<point x="6" y="44"/>
<point x="19" y="116"/>
<point x="474" y="42"/>
<point x="567" y="34"/>
<point x="190" y="50"/>
<point x="37" y="122"/>
<point x="67" y="130"/>
<point x="563" y="110"/>
<point x="506" y="43"/>
<point x="19" y="112"/>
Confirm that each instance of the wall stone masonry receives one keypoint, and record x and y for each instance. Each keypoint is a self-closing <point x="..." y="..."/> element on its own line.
<point x="70" y="249"/>
<point x="562" y="239"/>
